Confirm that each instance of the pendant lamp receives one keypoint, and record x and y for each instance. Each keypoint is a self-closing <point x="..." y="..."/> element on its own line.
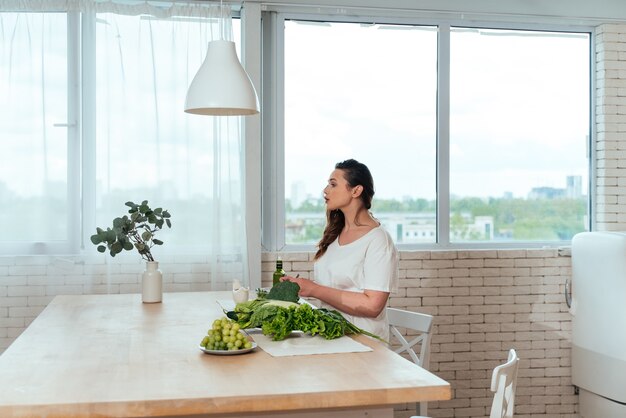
<point x="221" y="87"/>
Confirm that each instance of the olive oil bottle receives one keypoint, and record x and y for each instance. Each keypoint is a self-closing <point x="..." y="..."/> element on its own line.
<point x="279" y="272"/>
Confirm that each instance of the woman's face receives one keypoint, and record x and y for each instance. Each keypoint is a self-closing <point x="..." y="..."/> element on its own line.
<point x="337" y="193"/>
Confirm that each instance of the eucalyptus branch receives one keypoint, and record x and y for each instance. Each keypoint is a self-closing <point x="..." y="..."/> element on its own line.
<point x="125" y="234"/>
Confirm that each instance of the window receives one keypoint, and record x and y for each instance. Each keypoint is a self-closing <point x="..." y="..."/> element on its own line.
<point x="503" y="159"/>
<point x="366" y="92"/>
<point x="62" y="175"/>
<point x="519" y="134"/>
<point x="35" y="132"/>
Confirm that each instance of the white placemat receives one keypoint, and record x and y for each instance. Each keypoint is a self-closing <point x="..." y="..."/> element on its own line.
<point x="300" y="344"/>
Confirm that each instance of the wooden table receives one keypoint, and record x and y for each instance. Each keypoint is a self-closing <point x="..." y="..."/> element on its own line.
<point x="111" y="355"/>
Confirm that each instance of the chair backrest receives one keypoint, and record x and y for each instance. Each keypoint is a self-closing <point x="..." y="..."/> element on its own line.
<point x="503" y="383"/>
<point x="422" y="323"/>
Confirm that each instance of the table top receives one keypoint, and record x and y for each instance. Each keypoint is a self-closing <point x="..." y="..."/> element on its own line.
<point x="112" y="355"/>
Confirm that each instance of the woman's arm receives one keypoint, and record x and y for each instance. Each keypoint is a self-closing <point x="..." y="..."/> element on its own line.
<point x="368" y="304"/>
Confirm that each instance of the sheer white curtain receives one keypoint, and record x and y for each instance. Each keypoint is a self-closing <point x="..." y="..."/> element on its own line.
<point x="33" y="160"/>
<point x="138" y="59"/>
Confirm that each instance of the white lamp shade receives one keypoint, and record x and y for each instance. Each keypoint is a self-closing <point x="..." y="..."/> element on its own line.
<point x="221" y="86"/>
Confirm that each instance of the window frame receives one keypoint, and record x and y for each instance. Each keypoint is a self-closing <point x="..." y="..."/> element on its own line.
<point x="273" y="145"/>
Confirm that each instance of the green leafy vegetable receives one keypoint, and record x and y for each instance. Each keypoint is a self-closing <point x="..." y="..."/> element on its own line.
<point x="279" y="318"/>
<point x="253" y="313"/>
<point x="243" y="312"/>
<point x="284" y="291"/>
<point x="281" y="324"/>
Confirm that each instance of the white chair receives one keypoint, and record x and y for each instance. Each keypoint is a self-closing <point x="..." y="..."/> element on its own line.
<point x="421" y="323"/>
<point x="503" y="383"/>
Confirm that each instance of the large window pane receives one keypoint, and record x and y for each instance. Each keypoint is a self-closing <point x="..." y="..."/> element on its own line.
<point x="33" y="172"/>
<point x="146" y="146"/>
<point x="366" y="92"/>
<point x="519" y="126"/>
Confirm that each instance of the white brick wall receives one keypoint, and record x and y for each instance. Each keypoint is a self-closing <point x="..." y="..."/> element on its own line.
<point x="611" y="127"/>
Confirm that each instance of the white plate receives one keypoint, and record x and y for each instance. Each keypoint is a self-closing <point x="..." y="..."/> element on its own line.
<point x="228" y="352"/>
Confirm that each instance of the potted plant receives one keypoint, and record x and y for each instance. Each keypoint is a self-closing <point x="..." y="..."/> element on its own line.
<point x="137" y="231"/>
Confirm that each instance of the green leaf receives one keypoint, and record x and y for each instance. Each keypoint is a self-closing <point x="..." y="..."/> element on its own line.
<point x="144" y="203"/>
<point x="116" y="247"/>
<point x="152" y="218"/>
<point x="169" y="223"/>
<point x="110" y="237"/>
<point x="146" y="235"/>
<point x="130" y="204"/>
<point x="157" y="241"/>
<point x="128" y="245"/>
<point x="96" y="239"/>
<point x="118" y="222"/>
<point x="166" y="214"/>
<point x="102" y="248"/>
<point x="158" y="211"/>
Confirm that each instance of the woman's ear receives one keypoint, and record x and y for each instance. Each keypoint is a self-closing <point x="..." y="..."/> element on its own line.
<point x="357" y="190"/>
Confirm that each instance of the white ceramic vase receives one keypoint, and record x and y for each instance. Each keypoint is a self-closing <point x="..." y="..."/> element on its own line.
<point x="152" y="283"/>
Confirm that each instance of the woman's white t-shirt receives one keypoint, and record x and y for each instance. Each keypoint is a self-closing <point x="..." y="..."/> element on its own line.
<point x="369" y="263"/>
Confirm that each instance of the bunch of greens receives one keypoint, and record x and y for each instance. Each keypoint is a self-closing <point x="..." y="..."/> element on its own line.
<point x="254" y="313"/>
<point x="279" y="317"/>
<point x="329" y="324"/>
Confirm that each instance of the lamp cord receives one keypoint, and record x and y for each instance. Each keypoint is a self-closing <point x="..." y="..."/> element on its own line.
<point x="221" y="24"/>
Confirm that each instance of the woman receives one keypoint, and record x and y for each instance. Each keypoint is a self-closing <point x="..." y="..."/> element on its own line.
<point x="356" y="264"/>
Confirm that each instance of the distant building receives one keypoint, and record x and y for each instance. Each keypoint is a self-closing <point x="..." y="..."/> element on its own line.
<point x="546" y="193"/>
<point x="298" y="194"/>
<point x="573" y="190"/>
<point x="410" y="227"/>
<point x="414" y="228"/>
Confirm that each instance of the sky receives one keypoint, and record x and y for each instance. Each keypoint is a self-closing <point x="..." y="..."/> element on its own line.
<point x="519" y="108"/>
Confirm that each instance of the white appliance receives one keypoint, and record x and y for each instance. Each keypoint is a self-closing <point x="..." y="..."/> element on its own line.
<point x="598" y="307"/>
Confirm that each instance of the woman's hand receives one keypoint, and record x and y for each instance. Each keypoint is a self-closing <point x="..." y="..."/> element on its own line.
<point x="307" y="286"/>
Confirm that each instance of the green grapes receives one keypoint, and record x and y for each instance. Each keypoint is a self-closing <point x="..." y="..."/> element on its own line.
<point x="225" y="334"/>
